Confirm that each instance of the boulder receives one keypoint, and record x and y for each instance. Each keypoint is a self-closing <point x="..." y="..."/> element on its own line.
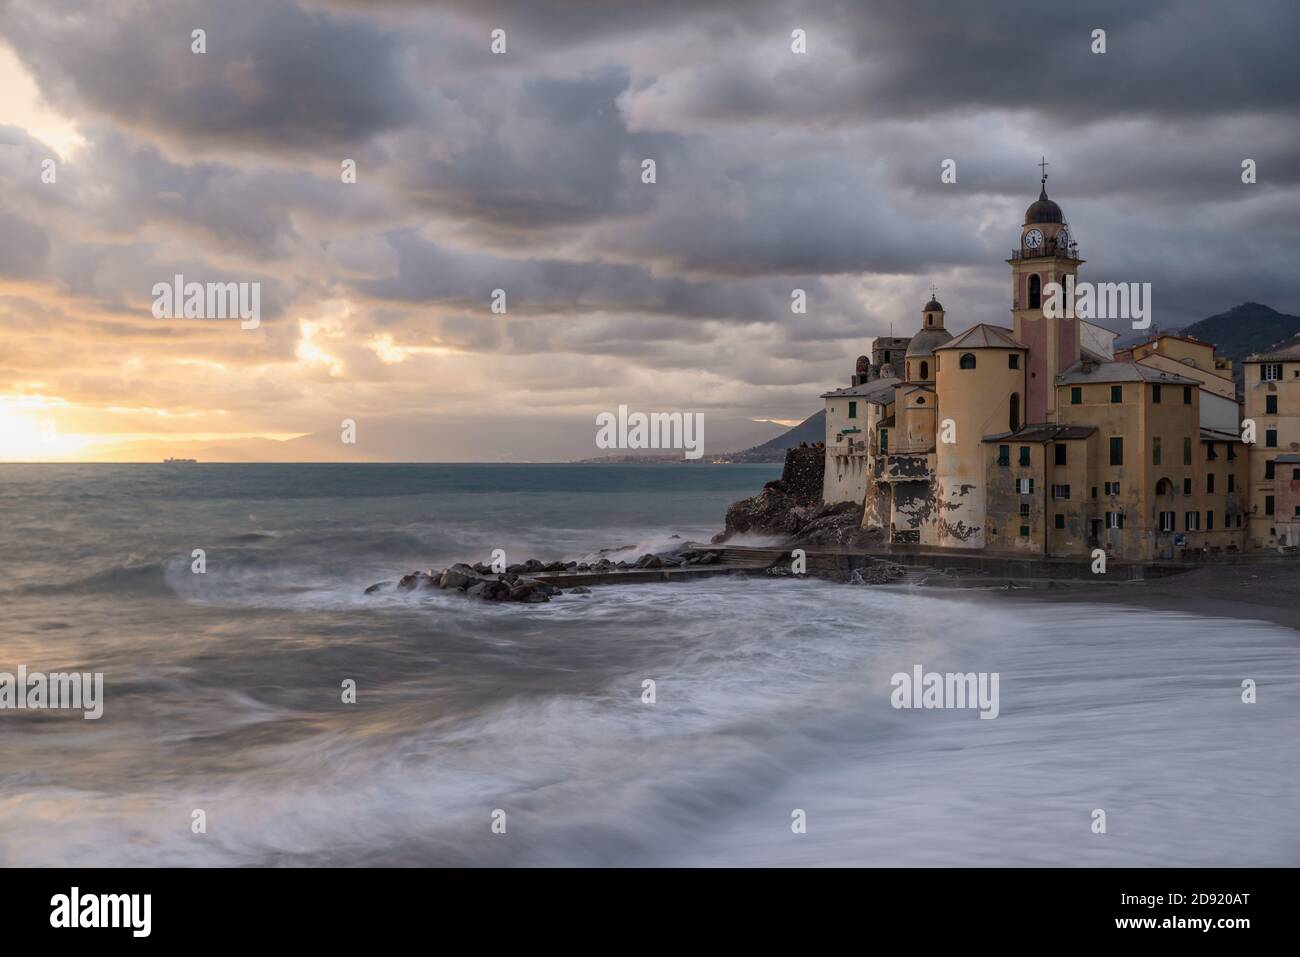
<point x="459" y="575"/>
<point x="580" y="590"/>
<point x="416" y="580"/>
<point x="378" y="585"/>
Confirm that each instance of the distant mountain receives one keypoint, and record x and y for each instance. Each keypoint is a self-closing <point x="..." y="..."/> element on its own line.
<point x="810" y="430"/>
<point x="1242" y="330"/>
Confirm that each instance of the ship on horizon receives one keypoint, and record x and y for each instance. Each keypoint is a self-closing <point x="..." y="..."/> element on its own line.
<point x="169" y="460"/>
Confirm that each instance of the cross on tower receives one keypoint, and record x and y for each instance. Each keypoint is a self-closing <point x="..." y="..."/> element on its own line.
<point x="934" y="291"/>
<point x="1043" y="166"/>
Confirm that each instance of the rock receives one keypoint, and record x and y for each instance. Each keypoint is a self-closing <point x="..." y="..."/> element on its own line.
<point x="483" y="568"/>
<point x="416" y="580"/>
<point x="459" y="575"/>
<point x="649" y="561"/>
<point x="514" y="569"/>
<point x="533" y="565"/>
<point x="580" y="590"/>
<point x="375" y="587"/>
<point x="553" y="567"/>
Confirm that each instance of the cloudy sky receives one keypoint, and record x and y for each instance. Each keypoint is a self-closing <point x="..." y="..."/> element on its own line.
<point x="522" y="171"/>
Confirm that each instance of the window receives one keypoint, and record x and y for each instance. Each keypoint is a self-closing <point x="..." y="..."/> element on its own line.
<point x="1094" y="491"/>
<point x="1187" y="395"/>
<point x="1232" y="452"/>
<point x="1035" y="292"/>
<point x="1155" y="450"/>
<point x="1024" y="455"/>
<point x="1166" y="521"/>
<point x="1112" y="488"/>
<point x="1024" y="510"/>
<point x="1013" y="361"/>
<point x="1210" y="454"/>
<point x="967" y="361"/>
<point x="920" y="400"/>
<point x="1004" y="455"/>
<point x="1268" y="469"/>
<point x="1209" y="521"/>
<point x="1270" y="405"/>
<point x="1268" y="504"/>
<point x="1232" y="482"/>
<point x="1060" y="491"/>
<point x="1114" y="519"/>
<point x="1116" y="393"/>
<point x="1060" y="520"/>
<point x="1024" y="531"/>
<point x="1192" y="521"/>
<point x="1155" y="393"/>
<point x="1187" y="486"/>
<point x="1025" y="486"/>
<point x="853" y="410"/>
<point x="1015" y="411"/>
<point x="884" y="440"/>
<point x="1117" y="450"/>
<point x="1297" y="510"/>
<point x="1076" y="395"/>
<point x="1060" y="454"/>
<point x="925" y="370"/>
<point x="1270" y="439"/>
<point x="1187" y="450"/>
<point x="1270" y="371"/>
<point x="1209" y="484"/>
<point x="1295" y="475"/>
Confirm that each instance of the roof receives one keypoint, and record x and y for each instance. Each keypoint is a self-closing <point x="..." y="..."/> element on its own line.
<point x="1290" y="350"/>
<point x="1044" y="210"/>
<point x="887" y="423"/>
<point x="1288" y="459"/>
<point x="876" y="390"/>
<point x="1119" y="372"/>
<point x="910" y="387"/>
<point x="984" y="336"/>
<point x="1043" y="432"/>
<point x="926" y="341"/>
<point x="1215" y="435"/>
<point x="933" y="306"/>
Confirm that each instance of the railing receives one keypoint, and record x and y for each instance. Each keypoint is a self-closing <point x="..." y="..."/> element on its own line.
<point x="1049" y="248"/>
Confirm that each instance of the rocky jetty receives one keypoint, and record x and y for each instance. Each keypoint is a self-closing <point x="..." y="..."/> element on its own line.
<point x="517" y="584"/>
<point x="791" y="507"/>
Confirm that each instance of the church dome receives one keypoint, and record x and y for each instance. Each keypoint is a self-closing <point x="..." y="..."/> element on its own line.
<point x="926" y="341"/>
<point x="933" y="306"/>
<point x="1043" y="210"/>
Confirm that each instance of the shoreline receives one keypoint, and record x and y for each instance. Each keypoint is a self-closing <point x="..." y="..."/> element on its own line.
<point x="1261" y="592"/>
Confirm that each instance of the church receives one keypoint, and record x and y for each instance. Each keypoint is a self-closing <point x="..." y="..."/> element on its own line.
<point x="1039" y="438"/>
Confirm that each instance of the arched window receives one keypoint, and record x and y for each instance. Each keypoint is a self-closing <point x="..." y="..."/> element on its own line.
<point x="1015" y="411"/>
<point x="967" y="360"/>
<point x="1035" y="292"/>
<point x="929" y="320"/>
<point x="925" y="370"/>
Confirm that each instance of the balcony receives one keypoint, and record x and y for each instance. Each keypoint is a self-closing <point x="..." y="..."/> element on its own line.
<point x="1049" y="248"/>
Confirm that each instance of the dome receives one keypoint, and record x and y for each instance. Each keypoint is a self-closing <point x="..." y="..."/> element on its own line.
<point x="926" y="341"/>
<point x="933" y="306"/>
<point x="1043" y="210"/>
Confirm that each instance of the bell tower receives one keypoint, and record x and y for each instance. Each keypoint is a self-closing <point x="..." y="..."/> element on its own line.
<point x="1047" y="254"/>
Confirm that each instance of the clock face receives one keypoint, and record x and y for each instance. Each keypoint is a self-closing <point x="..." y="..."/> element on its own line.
<point x="1063" y="240"/>
<point x="1034" y="239"/>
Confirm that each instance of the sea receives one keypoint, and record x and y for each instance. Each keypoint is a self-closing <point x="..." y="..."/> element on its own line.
<point x="726" y="721"/>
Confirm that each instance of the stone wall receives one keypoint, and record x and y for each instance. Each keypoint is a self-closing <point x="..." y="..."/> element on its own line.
<point x="804" y="474"/>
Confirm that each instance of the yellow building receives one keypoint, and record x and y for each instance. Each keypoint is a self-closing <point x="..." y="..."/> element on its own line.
<point x="1273" y="406"/>
<point x="1040" y="440"/>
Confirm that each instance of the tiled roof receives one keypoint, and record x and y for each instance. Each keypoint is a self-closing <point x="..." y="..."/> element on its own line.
<point x="1043" y="432"/>
<point x="877" y="390"/>
<point x="1290" y="350"/>
<point x="984" y="336"/>
<point x="1119" y="372"/>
